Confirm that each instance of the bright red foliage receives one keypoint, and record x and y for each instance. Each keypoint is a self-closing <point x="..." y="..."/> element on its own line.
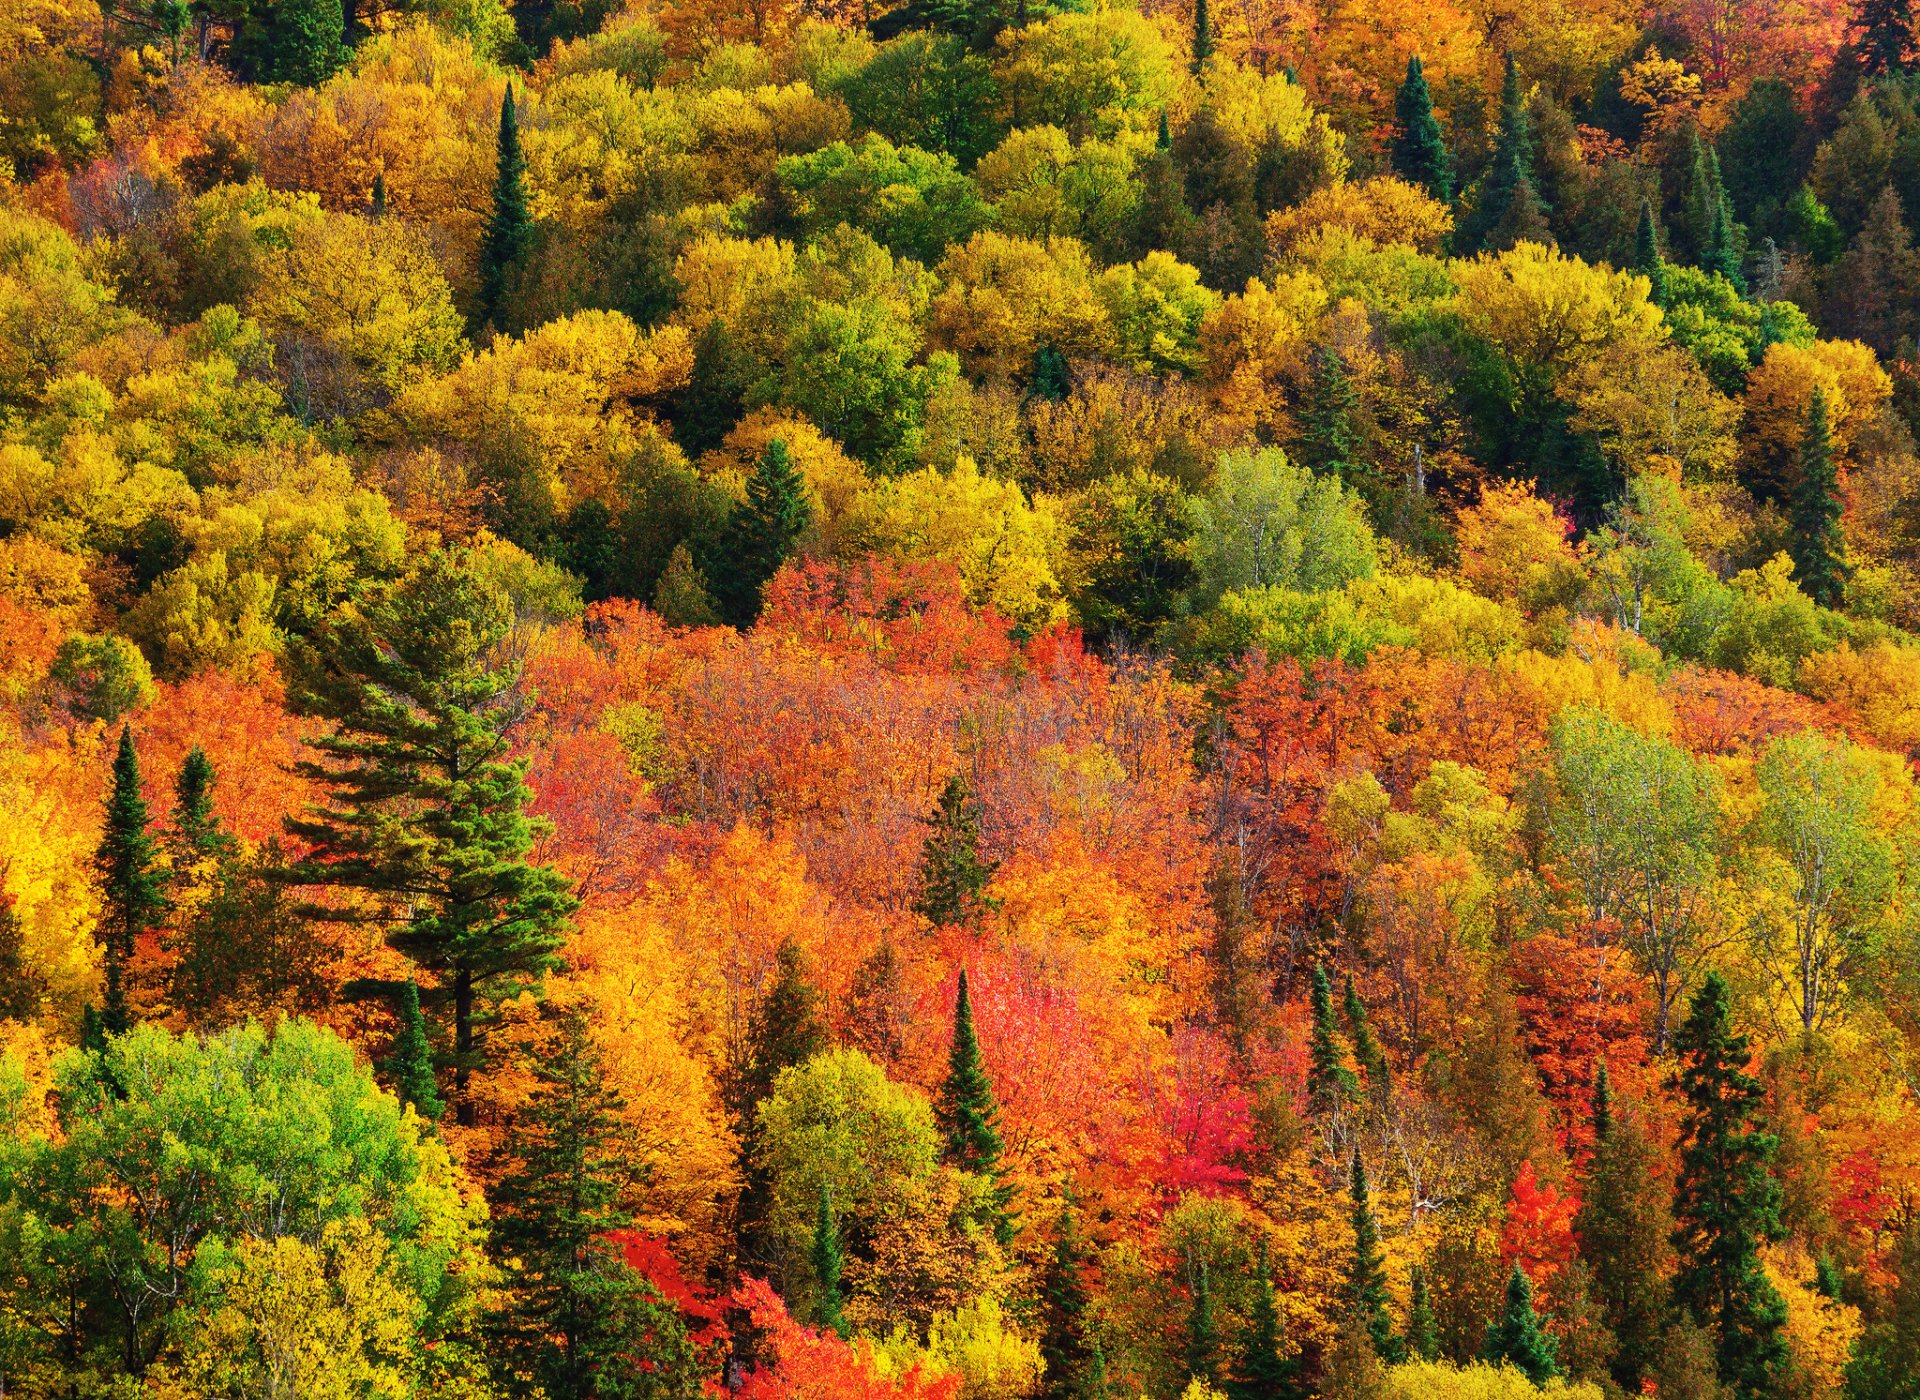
<point x="803" y="1364"/>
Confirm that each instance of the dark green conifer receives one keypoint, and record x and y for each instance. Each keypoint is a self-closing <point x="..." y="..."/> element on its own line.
<point x="132" y="889"/>
<point x="1828" y="1281"/>
<point x="1818" y="544"/>
<point x="1423" y="1329"/>
<point x="1509" y="208"/>
<point x="1419" y="149"/>
<point x="786" y="1029"/>
<point x="1646" y="255"/>
<point x="1331" y="1084"/>
<point x="969" y="1115"/>
<point x="953" y="873"/>
<point x="1883" y="37"/>
<point x="1367" y="1050"/>
<point x="1202" y="36"/>
<point x="1726" y="1200"/>
<point x="377" y="201"/>
<point x="763" y="532"/>
<point x="509" y="233"/>
<point x="1623" y="1225"/>
<point x="1163" y="140"/>
<point x="1261" y="1372"/>
<point x="1367" y="1270"/>
<point x="1052" y="376"/>
<point x="1202" y="1354"/>
<point x="410" y="1065"/>
<point x="1329" y="435"/>
<point x="1064" y="1300"/>
<point x="1886" y="1358"/>
<point x="828" y="1262"/>
<point x="1517" y="1339"/>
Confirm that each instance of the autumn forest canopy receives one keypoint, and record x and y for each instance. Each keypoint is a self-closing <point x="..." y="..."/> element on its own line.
<point x="959" y="699"/>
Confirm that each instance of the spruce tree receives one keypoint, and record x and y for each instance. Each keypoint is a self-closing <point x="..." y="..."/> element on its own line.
<point x="762" y="532"/>
<point x="509" y="233"/>
<point x="423" y="805"/>
<point x="410" y="1063"/>
<point x="1331" y="1085"/>
<point x="1726" y="240"/>
<point x="969" y="1115"/>
<point x="1623" y="1226"/>
<point x="953" y="873"/>
<point x="785" y="1030"/>
<point x="196" y="827"/>
<point x="1883" y="43"/>
<point x="1202" y="36"/>
<point x="1646" y="255"/>
<point x="828" y="1262"/>
<point x="1509" y="208"/>
<point x="1726" y="1200"/>
<point x="1329" y="437"/>
<point x="1367" y="1271"/>
<point x="132" y="888"/>
<point x="1886" y="1359"/>
<point x="1817" y="541"/>
<point x="1064" y="1301"/>
<point x="1367" y="1050"/>
<point x="1423" y="1330"/>
<point x="1517" y="1339"/>
<point x="1261" y="1373"/>
<point x="1419" y="149"/>
<point x="1202" y="1354"/>
<point x="377" y="200"/>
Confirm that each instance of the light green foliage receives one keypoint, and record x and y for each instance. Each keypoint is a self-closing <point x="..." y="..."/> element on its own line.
<point x="49" y="306"/>
<point x="205" y="614"/>
<point x="1722" y="330"/>
<point x="1268" y="523"/>
<point x="1091" y="74"/>
<point x="1045" y="186"/>
<point x="102" y="677"/>
<point x="912" y="201"/>
<point x="1156" y="306"/>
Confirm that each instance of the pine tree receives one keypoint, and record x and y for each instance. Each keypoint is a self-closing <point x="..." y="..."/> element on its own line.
<point x="1828" y="1281"/>
<point x="1646" y="255"/>
<point x="828" y="1262"/>
<point x="410" y="1064"/>
<point x="1517" y="1339"/>
<point x="763" y="531"/>
<point x="132" y="888"/>
<point x="377" y="200"/>
<point x="953" y="874"/>
<point x="1509" y="208"/>
<point x="1726" y="240"/>
<point x="1883" y="37"/>
<point x="1064" y="1300"/>
<point x="196" y="827"/>
<point x="1423" y="1331"/>
<point x="1367" y="1271"/>
<point x="423" y="803"/>
<point x="1202" y="1354"/>
<point x="1331" y="1085"/>
<point x="509" y="232"/>
<point x="1623" y="1226"/>
<point x="1886" y="1359"/>
<point x="1261" y="1372"/>
<point x="786" y="1028"/>
<point x="1726" y="1200"/>
<point x="1419" y="149"/>
<point x="1202" y="36"/>
<point x="1367" y="1050"/>
<point x="969" y="1115"/>
<point x="1329" y="439"/>
<point x="1163" y="138"/>
<point x="1818" y="543"/>
<point x="681" y="595"/>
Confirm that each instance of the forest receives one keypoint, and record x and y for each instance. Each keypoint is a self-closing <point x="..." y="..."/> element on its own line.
<point x="959" y="699"/>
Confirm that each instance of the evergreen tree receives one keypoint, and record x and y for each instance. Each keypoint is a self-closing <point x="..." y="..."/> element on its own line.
<point x="715" y="397"/>
<point x="953" y="874"/>
<point x="1064" y="1300"/>
<point x="1818" y="544"/>
<point x="786" y="1029"/>
<point x="1202" y="36"/>
<point x="828" y="1262"/>
<point x="1331" y="1085"/>
<point x="1883" y="37"/>
<point x="1886" y="1359"/>
<point x="1419" y="149"/>
<point x="377" y="200"/>
<point x="1509" y="208"/>
<point x="196" y="827"/>
<point x="1367" y="1050"/>
<point x="290" y="41"/>
<point x="1163" y="138"/>
<point x="410" y="1064"/>
<point x="1367" y="1272"/>
<point x="1646" y="255"/>
<point x="1623" y="1226"/>
<point x="763" y="531"/>
<point x="1726" y="240"/>
<point x="969" y="1115"/>
<point x="132" y="888"/>
<point x="424" y="806"/>
<point x="1726" y="1200"/>
<point x="1517" y="1339"/>
<point x="1262" y="1373"/>
<point x="1828" y="1281"/>
<point x="1423" y="1330"/>
<point x="509" y="233"/>
<point x="1202" y="1353"/>
<point x="1329" y="438"/>
<point x="1602" y="1106"/>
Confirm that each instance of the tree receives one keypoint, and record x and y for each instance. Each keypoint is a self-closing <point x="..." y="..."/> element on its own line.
<point x="1423" y="1329"/>
<point x="509" y="234"/>
<point x="424" y="809"/>
<point x="953" y="873"/>
<point x="1419" y="149"/>
<point x="1367" y="1050"/>
<point x="1517" y="1339"/>
<point x="1202" y="37"/>
<point x="1726" y="1200"/>
<point x="1623" y="1226"/>
<point x="969" y="1115"/>
<point x="1886" y="1359"/>
<point x="1819" y="544"/>
<point x="410" y="1063"/>
<point x="1202" y="1355"/>
<point x="1883" y="37"/>
<point x="1261" y="1373"/>
<point x="1331" y="1082"/>
<point x="291" y="41"/>
<point x="132" y="888"/>
<point x="763" y="531"/>
<point x="786" y="1028"/>
<point x="1509" y="209"/>
<point x="828" y="1262"/>
<point x="1646" y="255"/>
<point x="1329" y="438"/>
<point x="21" y="985"/>
<point x="1064" y="1300"/>
<point x="196" y="828"/>
<point x="1366" y="1290"/>
<point x="875" y="1016"/>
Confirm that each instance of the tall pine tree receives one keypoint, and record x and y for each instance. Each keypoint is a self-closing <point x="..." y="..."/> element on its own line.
<point x="1623" y="1225"/>
<point x="132" y="888"/>
<point x="423" y="804"/>
<point x="1367" y="1270"/>
<point x="1329" y="440"/>
<point x="1261" y="1372"/>
<point x="828" y="1262"/>
<point x="763" y="532"/>
<point x="1883" y="37"/>
<point x="1646" y="255"/>
<point x="1331" y="1084"/>
<point x="969" y="1115"/>
<point x="1517" y="1339"/>
<point x="1817" y="541"/>
<point x="1202" y="36"/>
<point x="509" y="233"/>
<point x="1419" y="149"/>
<point x="953" y="873"/>
<point x="1202" y="1354"/>
<point x="1509" y="208"/>
<point x="1064" y="1300"/>
<point x="1726" y="1200"/>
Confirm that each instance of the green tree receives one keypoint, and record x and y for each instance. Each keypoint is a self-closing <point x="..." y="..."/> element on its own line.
<point x="1646" y="255"/>
<point x="1509" y="208"/>
<point x="763" y="532"/>
<point x="1883" y="37"/>
<point x="1517" y="1339"/>
<point x="1367" y="1050"/>
<point x="509" y="233"/>
<point x="1202" y="36"/>
<point x="410" y="1063"/>
<point x="1726" y="1200"/>
<point x="1819" y="543"/>
<point x="1366" y="1289"/>
<point x="247" y="947"/>
<point x="290" y="41"/>
<point x="969" y="1115"/>
<point x="1202" y="1352"/>
<point x="1886" y="1360"/>
<point x="953" y="873"/>
<point x="424" y="808"/>
<point x="785" y="1030"/>
<point x="1420" y="154"/>
<point x="197" y="835"/>
<point x="1423" y="1329"/>
<point x="1064" y="1300"/>
<point x="1331" y="1082"/>
<point x="132" y="887"/>
<point x="1261" y="1372"/>
<point x="1329" y="440"/>
<point x="1623" y="1225"/>
<point x="828" y="1262"/>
